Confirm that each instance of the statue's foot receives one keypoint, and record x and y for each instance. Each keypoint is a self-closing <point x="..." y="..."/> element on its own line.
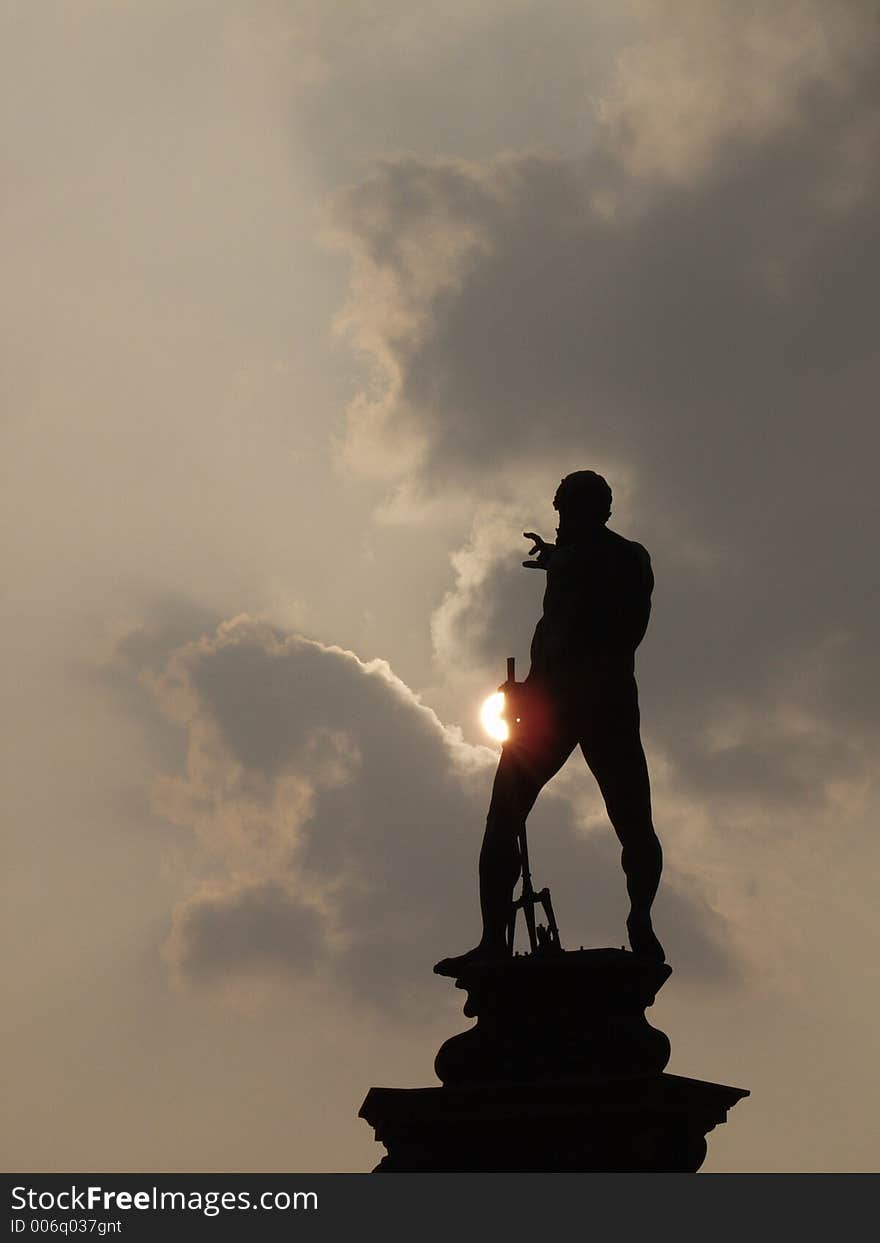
<point x="642" y="938"/>
<point x="479" y="954"/>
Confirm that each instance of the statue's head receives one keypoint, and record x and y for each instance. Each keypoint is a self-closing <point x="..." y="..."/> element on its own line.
<point x="583" y="499"/>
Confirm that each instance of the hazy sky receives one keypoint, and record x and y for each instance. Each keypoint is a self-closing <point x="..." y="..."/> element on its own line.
<point x="307" y="307"/>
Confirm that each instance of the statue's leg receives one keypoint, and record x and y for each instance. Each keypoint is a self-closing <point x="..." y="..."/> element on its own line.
<point x="613" y="749"/>
<point x="525" y="767"/>
<point x="513" y="796"/>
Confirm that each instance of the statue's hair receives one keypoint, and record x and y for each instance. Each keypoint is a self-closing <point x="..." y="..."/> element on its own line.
<point x="584" y="495"/>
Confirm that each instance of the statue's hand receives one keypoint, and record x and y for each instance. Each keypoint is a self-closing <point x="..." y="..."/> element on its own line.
<point x="542" y="548"/>
<point x="515" y="697"/>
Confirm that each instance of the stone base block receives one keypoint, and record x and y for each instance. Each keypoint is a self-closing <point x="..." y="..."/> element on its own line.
<point x="644" y="1123"/>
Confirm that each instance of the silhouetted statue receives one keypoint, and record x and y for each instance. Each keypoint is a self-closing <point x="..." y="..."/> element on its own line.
<point x="580" y="690"/>
<point x="562" y="1070"/>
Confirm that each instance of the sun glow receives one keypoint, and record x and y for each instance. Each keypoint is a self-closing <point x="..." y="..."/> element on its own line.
<point x="490" y="715"/>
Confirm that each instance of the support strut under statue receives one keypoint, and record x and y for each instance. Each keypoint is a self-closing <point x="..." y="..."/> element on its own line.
<point x="543" y="938"/>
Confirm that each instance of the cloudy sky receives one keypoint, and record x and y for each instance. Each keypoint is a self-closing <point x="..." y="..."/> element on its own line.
<point x="307" y="307"/>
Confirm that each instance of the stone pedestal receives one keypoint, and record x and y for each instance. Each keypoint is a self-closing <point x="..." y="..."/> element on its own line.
<point x="561" y="1072"/>
<point x="562" y="1015"/>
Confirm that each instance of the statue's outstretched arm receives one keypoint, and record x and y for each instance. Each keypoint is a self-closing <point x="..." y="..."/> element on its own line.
<point x="544" y="550"/>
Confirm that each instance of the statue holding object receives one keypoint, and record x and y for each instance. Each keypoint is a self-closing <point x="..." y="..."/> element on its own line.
<point x="580" y="691"/>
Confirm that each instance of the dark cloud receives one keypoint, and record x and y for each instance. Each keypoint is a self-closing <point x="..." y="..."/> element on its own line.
<point x="390" y="68"/>
<point x="702" y="332"/>
<point x="697" y="334"/>
<point x="258" y="928"/>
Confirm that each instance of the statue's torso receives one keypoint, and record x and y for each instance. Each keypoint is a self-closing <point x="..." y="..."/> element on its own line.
<point x="596" y="609"/>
